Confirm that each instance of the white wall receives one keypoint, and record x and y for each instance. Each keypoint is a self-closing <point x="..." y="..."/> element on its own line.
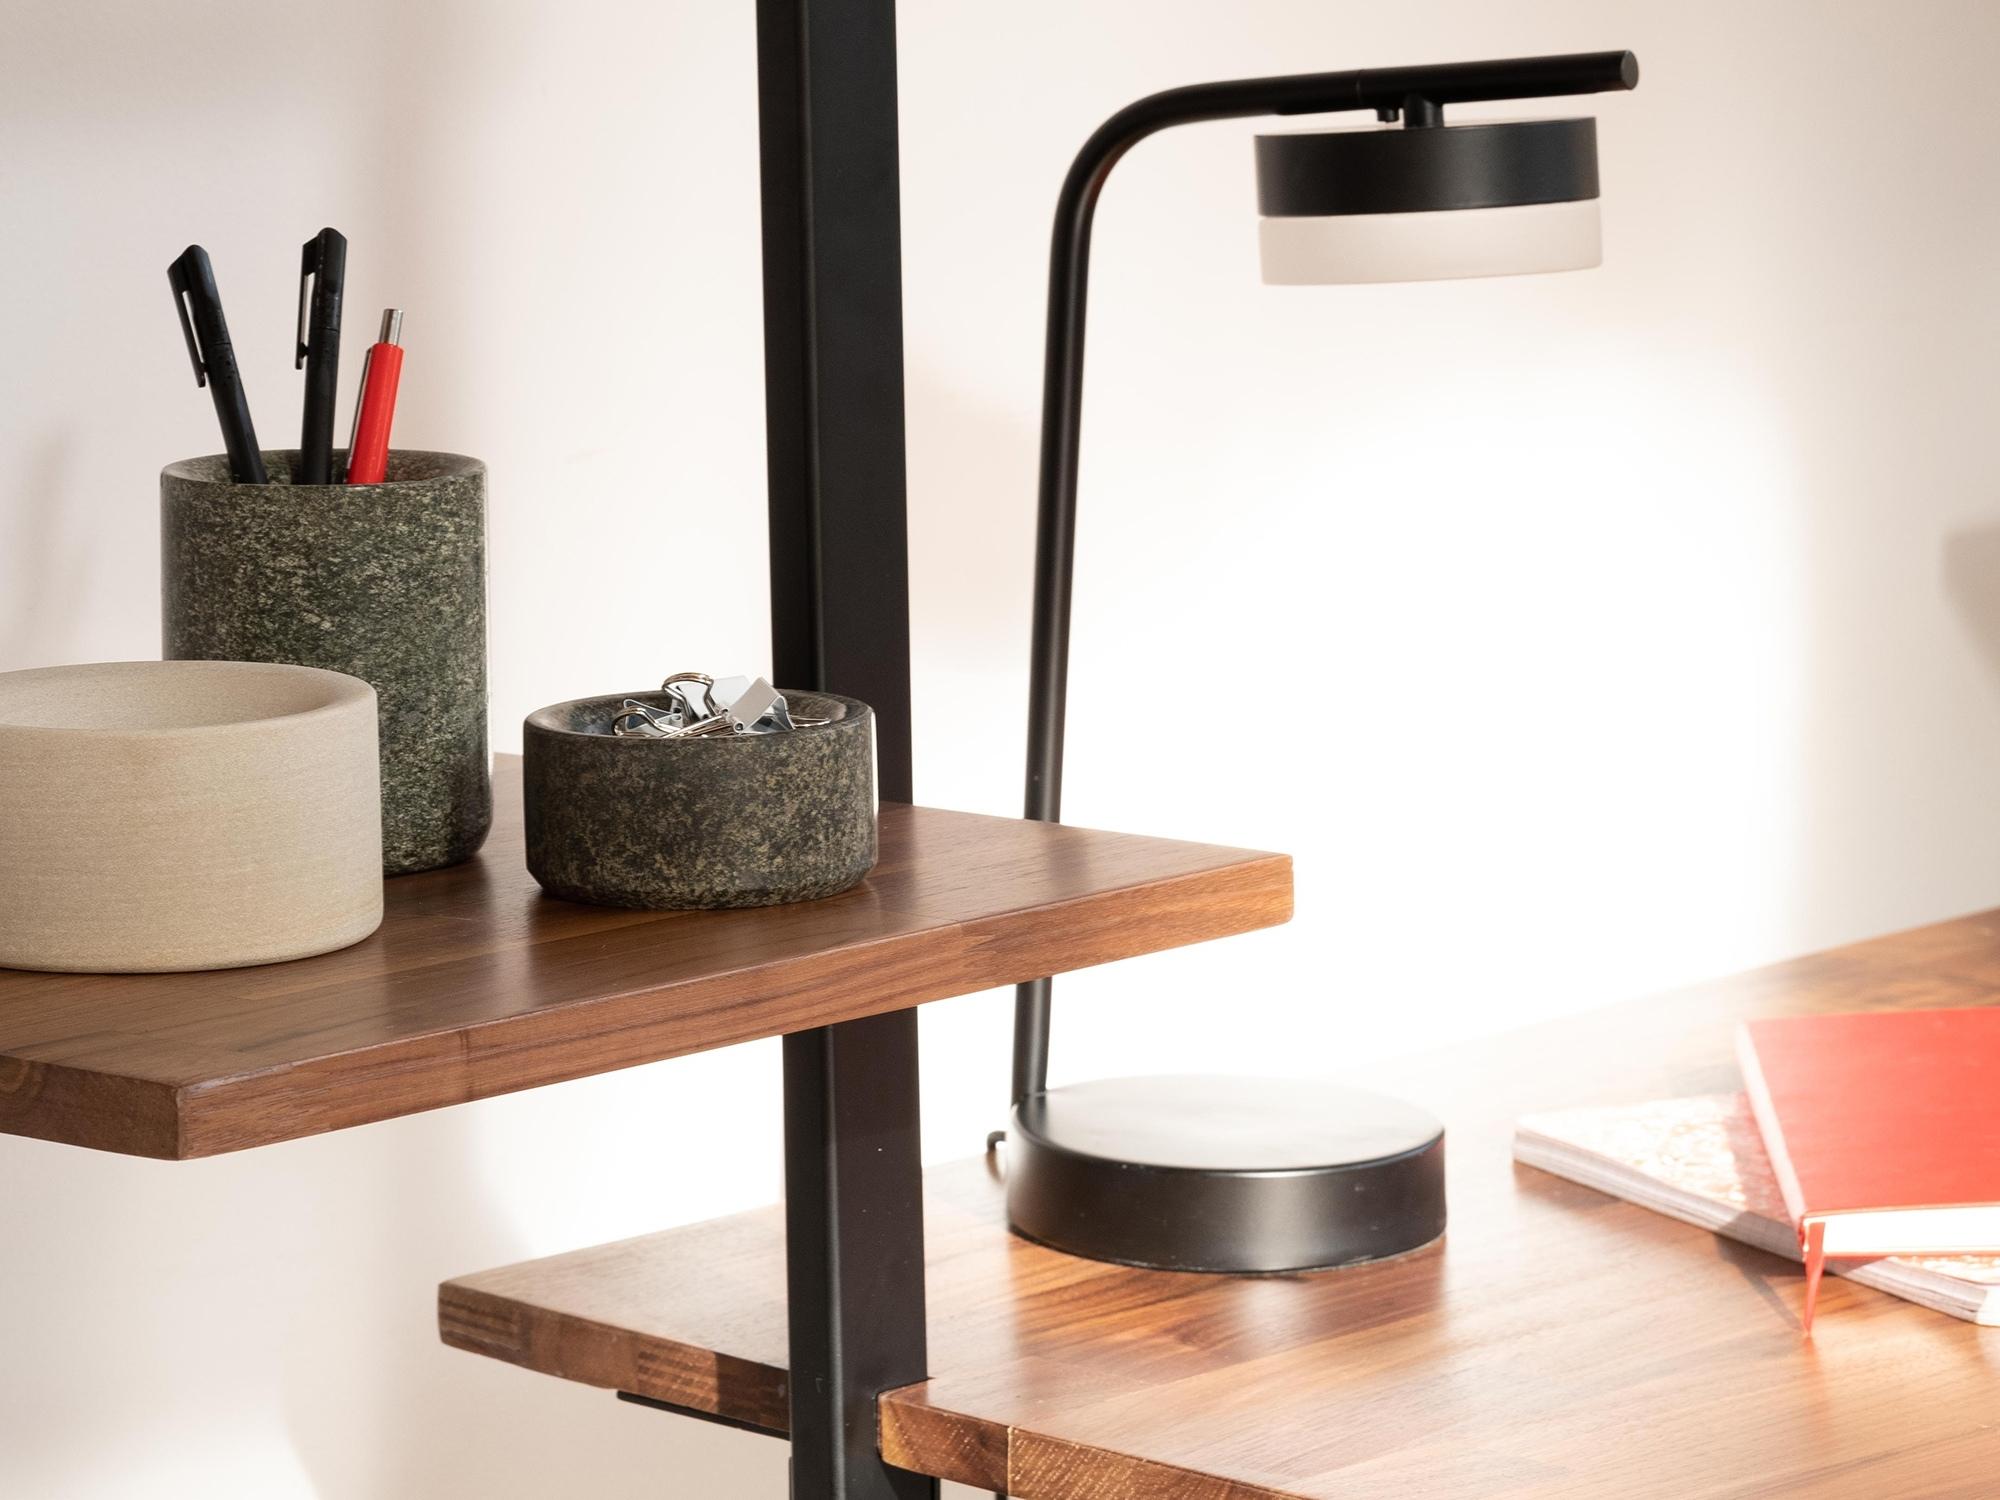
<point x="1638" y="625"/>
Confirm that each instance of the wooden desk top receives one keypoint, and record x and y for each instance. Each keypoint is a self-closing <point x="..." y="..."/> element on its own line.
<point x="1558" y="1344"/>
<point x="476" y="984"/>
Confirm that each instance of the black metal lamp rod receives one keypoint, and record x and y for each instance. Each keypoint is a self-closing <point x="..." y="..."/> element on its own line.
<point x="1387" y="91"/>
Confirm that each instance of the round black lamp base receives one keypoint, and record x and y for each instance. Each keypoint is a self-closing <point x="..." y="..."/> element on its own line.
<point x="1238" y="1175"/>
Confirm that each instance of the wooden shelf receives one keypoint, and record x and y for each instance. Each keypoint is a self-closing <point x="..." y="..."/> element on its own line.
<point x="1560" y="1344"/>
<point x="478" y="985"/>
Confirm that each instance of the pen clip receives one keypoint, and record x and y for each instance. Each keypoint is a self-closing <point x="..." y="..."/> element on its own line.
<point x="178" y="279"/>
<point x="311" y="260"/>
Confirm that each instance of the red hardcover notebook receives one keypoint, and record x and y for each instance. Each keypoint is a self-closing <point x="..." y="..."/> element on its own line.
<point x="1883" y="1129"/>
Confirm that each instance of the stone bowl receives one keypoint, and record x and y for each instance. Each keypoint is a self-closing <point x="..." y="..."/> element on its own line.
<point x="175" y="815"/>
<point x="699" y="824"/>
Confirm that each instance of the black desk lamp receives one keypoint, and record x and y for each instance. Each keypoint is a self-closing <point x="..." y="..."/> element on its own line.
<point x="1219" y="1174"/>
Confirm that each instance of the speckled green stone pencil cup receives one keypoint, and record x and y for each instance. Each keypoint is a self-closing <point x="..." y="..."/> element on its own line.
<point x="733" y="820"/>
<point x="386" y="582"/>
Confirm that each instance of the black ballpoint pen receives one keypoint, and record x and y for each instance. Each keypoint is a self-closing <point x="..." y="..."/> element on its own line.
<point x="325" y="262"/>
<point x="200" y="307"/>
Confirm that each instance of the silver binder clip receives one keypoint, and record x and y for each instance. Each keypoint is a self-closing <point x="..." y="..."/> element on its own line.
<point x="634" y="717"/>
<point x="694" y="692"/>
<point x="758" y="708"/>
<point x="747" y="709"/>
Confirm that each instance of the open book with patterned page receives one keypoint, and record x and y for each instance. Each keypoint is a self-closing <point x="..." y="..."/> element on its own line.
<point x="1702" y="1160"/>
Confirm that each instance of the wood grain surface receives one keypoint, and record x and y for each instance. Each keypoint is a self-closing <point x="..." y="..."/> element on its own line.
<point x="477" y="984"/>
<point x="1558" y="1343"/>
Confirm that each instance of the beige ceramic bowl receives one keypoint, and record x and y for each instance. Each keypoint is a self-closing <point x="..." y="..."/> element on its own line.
<point x="185" y="815"/>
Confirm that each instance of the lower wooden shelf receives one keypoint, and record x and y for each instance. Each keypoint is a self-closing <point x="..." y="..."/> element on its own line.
<point x="1560" y="1344"/>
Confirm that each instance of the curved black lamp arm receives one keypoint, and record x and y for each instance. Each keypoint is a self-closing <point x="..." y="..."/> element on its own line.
<point x="1388" y="92"/>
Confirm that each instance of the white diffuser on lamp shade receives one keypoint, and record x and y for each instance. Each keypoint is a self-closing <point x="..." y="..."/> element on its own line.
<point x="1438" y="246"/>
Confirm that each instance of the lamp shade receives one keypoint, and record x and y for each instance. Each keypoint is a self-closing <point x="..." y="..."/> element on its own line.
<point x="1428" y="202"/>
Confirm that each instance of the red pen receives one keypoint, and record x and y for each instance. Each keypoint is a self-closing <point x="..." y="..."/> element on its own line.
<point x="375" y="407"/>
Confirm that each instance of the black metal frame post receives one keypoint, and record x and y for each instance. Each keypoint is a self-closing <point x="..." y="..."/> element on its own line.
<point x="833" y="360"/>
